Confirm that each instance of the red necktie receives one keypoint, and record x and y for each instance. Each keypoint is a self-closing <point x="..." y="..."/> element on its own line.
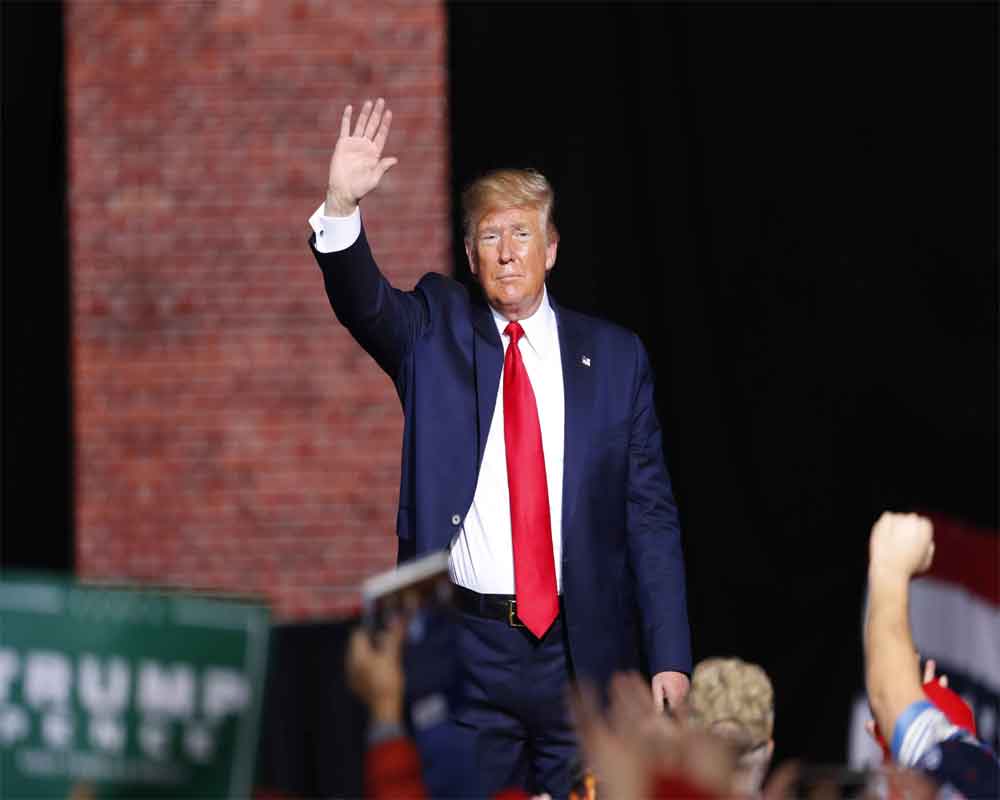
<point x="531" y="527"/>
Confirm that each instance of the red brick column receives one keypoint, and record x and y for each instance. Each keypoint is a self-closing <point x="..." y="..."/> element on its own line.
<point x="229" y="433"/>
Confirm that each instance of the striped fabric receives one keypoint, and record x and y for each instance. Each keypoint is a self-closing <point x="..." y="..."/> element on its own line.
<point x="918" y="729"/>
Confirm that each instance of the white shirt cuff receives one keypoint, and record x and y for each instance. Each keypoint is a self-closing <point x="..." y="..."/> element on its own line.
<point x="335" y="233"/>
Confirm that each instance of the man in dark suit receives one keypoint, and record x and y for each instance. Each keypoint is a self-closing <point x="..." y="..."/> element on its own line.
<point x="531" y="450"/>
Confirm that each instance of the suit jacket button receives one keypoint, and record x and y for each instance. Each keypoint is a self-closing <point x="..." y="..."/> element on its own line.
<point x="455" y="519"/>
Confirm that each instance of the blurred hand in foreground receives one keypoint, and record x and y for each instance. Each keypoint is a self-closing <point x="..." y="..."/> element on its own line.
<point x="375" y="671"/>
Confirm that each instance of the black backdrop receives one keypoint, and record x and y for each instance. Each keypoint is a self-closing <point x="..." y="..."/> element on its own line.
<point x="36" y="487"/>
<point x="795" y="207"/>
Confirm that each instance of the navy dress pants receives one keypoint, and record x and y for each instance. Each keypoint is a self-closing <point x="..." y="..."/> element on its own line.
<point x="512" y="706"/>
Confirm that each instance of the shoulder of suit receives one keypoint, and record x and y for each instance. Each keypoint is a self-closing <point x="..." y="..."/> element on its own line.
<point x="434" y="283"/>
<point x="442" y="289"/>
<point x="446" y="297"/>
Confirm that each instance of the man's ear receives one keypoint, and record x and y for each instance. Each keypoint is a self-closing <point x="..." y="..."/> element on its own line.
<point x="550" y="253"/>
<point x="470" y="254"/>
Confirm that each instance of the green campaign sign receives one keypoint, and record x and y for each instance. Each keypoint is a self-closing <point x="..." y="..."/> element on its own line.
<point x="127" y="692"/>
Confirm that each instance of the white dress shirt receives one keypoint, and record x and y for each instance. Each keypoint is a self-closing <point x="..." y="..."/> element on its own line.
<point x="482" y="555"/>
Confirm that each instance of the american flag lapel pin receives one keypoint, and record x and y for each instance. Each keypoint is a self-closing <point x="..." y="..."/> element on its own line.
<point x="585" y="360"/>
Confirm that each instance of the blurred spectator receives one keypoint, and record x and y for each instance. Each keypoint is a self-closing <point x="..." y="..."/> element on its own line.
<point x="922" y="736"/>
<point x="638" y="752"/>
<point x="720" y="744"/>
<point x="393" y="767"/>
<point x="375" y="674"/>
<point x="735" y="699"/>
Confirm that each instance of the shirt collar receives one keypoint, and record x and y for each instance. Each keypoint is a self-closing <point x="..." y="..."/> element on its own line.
<point x="539" y="328"/>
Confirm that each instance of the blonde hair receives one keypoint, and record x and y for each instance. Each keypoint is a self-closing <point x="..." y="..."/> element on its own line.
<point x="733" y="696"/>
<point x="508" y="188"/>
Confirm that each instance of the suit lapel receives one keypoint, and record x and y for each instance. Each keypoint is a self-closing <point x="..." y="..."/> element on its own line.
<point x="488" y="355"/>
<point x="578" y="388"/>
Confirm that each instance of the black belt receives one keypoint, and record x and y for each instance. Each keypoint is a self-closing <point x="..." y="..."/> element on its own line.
<point x="490" y="606"/>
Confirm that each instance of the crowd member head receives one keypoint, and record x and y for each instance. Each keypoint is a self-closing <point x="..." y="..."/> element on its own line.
<point x="735" y="700"/>
<point x="510" y="238"/>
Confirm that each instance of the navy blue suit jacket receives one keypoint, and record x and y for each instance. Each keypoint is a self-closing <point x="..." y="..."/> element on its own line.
<point x="622" y="566"/>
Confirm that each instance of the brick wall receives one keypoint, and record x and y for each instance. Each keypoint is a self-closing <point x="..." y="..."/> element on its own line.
<point x="229" y="433"/>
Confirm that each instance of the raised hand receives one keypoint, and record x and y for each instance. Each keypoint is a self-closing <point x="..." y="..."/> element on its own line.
<point x="901" y="544"/>
<point x="633" y="742"/>
<point x="357" y="165"/>
<point x="622" y="771"/>
<point x="374" y="671"/>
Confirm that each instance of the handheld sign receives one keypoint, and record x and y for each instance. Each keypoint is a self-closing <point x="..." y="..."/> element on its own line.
<point x="418" y="585"/>
<point x="115" y="692"/>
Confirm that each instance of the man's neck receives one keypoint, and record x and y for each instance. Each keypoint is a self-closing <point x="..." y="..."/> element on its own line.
<point x="519" y="314"/>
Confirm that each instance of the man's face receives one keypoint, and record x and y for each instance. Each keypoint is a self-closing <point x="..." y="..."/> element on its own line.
<point x="510" y="255"/>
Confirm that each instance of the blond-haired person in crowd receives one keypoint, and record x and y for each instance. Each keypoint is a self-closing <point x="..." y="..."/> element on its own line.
<point x="734" y="699"/>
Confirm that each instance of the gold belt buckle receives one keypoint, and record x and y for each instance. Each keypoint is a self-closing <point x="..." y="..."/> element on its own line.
<point x="512" y="619"/>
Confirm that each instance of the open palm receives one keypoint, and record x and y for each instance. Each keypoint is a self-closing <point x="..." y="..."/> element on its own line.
<point x="357" y="165"/>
